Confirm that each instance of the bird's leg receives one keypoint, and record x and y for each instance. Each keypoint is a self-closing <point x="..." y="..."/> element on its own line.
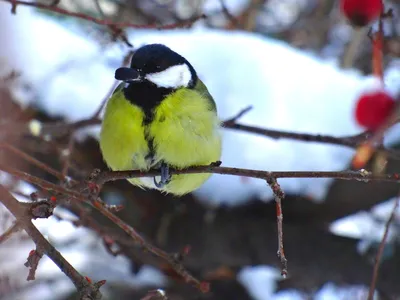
<point x="165" y="176"/>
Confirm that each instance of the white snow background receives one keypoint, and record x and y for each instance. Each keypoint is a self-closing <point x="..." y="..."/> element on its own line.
<point x="289" y="90"/>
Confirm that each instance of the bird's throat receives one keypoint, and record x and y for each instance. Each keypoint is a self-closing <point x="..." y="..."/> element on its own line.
<point x="147" y="96"/>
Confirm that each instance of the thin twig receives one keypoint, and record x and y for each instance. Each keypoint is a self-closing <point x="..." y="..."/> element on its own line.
<point x="279" y="134"/>
<point x="125" y="62"/>
<point x="33" y="161"/>
<point x="99" y="9"/>
<point x="116" y="32"/>
<point x="236" y="117"/>
<point x="59" y="129"/>
<point x="96" y="115"/>
<point x="349" y="141"/>
<point x="229" y="15"/>
<point x="367" y="149"/>
<point x="249" y="16"/>
<point x="44" y="184"/>
<point x="380" y="250"/>
<point x="53" y="129"/>
<point x="65" y="12"/>
<point x="66" y="156"/>
<point x="377" y="51"/>
<point x="175" y="264"/>
<point x="279" y="195"/>
<point x="9" y="232"/>
<point x="353" y="141"/>
<point x="82" y="189"/>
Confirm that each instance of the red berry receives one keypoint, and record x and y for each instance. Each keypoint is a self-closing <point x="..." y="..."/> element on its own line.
<point x="372" y="109"/>
<point x="361" y="12"/>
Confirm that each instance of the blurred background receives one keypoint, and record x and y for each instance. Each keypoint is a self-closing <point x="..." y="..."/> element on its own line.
<point x="298" y="63"/>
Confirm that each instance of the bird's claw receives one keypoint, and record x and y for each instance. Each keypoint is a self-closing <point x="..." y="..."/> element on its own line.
<point x="165" y="176"/>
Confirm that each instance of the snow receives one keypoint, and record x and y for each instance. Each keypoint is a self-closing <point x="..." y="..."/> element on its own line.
<point x="259" y="280"/>
<point x="289" y="90"/>
<point x="368" y="226"/>
<point x="260" y="283"/>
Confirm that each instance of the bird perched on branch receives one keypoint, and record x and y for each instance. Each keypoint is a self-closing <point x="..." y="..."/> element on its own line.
<point x="162" y="116"/>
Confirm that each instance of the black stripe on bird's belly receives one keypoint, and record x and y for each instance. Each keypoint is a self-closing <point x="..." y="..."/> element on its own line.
<point x="147" y="96"/>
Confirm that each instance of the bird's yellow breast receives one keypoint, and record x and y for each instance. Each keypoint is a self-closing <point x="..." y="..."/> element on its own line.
<point x="184" y="132"/>
<point x="122" y="139"/>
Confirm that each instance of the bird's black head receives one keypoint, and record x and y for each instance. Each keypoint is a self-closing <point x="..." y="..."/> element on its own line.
<point x="160" y="66"/>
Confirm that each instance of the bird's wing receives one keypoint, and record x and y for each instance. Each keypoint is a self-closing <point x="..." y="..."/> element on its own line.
<point x="202" y="89"/>
<point x="119" y="87"/>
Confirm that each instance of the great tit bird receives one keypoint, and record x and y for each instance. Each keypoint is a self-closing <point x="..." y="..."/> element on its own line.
<point x="161" y="116"/>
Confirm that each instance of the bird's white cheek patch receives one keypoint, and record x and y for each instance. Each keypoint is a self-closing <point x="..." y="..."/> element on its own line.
<point x="173" y="77"/>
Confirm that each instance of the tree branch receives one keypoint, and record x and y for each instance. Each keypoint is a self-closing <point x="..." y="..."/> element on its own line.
<point x="58" y="129"/>
<point x="112" y="24"/>
<point x="9" y="232"/>
<point x="361" y="175"/>
<point x="350" y="141"/>
<point x="173" y="260"/>
<point x="84" y="191"/>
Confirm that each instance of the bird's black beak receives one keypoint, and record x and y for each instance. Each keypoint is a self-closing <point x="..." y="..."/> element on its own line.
<point x="127" y="74"/>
